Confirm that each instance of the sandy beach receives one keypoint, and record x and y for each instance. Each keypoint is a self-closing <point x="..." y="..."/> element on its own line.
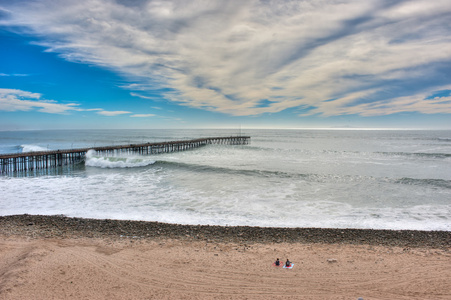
<point x="55" y="257"/>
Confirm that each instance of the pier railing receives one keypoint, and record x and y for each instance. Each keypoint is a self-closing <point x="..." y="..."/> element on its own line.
<point x="29" y="161"/>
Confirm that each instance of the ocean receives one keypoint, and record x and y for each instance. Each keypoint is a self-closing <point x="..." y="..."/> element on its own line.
<point x="379" y="179"/>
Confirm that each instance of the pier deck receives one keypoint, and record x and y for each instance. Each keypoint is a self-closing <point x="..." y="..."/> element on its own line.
<point x="28" y="161"/>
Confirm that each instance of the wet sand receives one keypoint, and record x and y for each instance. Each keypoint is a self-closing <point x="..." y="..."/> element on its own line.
<point x="54" y="257"/>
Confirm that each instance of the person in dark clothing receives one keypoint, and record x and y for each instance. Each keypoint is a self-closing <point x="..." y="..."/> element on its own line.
<point x="277" y="263"/>
<point x="288" y="263"/>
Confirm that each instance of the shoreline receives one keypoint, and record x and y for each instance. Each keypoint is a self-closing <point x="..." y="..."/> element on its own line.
<point x="58" y="226"/>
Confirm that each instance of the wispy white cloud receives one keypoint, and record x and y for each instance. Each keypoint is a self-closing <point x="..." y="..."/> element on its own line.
<point x="13" y="75"/>
<point x="113" y="113"/>
<point x="142" y="116"/>
<point x="253" y="57"/>
<point x="18" y="100"/>
<point x="94" y="109"/>
<point x="155" y="97"/>
<point x="413" y="103"/>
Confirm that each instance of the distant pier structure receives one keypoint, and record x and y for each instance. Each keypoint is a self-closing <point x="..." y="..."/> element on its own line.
<point x="30" y="161"/>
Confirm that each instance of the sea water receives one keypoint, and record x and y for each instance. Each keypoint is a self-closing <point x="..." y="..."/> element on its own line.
<point x="381" y="179"/>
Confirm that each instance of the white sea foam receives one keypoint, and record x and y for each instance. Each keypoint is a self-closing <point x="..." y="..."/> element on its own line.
<point x="92" y="160"/>
<point x="146" y="196"/>
<point x="32" y="148"/>
<point x="283" y="179"/>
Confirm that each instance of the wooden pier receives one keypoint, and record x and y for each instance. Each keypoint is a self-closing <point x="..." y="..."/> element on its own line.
<point x="30" y="161"/>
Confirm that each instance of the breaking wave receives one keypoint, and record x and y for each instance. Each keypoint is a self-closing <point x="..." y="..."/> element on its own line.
<point x="32" y="148"/>
<point x="93" y="160"/>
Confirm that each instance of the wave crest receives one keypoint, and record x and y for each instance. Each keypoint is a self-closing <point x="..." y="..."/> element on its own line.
<point x="32" y="148"/>
<point x="111" y="162"/>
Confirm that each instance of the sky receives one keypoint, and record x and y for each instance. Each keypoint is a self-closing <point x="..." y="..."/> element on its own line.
<point x="138" y="64"/>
